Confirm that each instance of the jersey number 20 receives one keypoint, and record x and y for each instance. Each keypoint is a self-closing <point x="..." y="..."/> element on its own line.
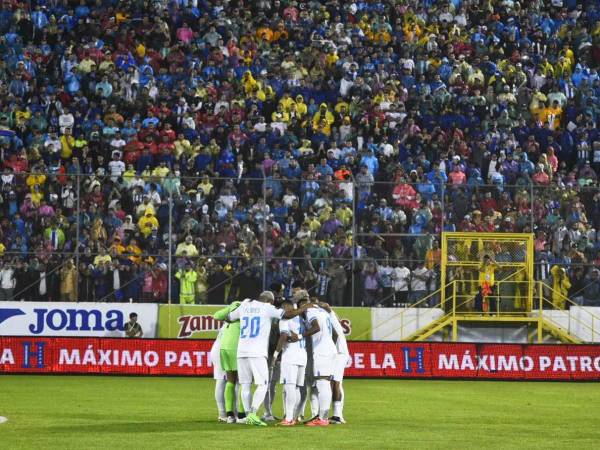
<point x="254" y="327"/>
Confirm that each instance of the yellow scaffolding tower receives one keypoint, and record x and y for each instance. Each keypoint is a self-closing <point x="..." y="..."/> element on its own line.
<point x="512" y="255"/>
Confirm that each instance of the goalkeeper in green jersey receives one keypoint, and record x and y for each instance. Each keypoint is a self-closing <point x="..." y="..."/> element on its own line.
<point x="229" y="344"/>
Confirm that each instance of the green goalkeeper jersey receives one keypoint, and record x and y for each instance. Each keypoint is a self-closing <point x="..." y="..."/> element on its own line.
<point x="231" y="331"/>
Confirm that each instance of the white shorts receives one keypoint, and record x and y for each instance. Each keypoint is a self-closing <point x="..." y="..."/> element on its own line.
<point x="323" y="365"/>
<point x="215" y="359"/>
<point x="339" y="365"/>
<point x="255" y="368"/>
<point x="292" y="374"/>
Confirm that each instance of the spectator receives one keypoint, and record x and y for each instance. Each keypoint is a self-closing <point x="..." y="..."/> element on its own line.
<point x="419" y="280"/>
<point x="68" y="282"/>
<point x="7" y="281"/>
<point x="211" y="130"/>
<point x="187" y="284"/>
<point x="560" y="286"/>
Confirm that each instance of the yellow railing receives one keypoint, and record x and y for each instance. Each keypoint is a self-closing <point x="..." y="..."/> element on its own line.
<point x="461" y="309"/>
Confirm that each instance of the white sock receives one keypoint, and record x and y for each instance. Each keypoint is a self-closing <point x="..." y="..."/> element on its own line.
<point x="220" y="396"/>
<point x="290" y="401"/>
<point x="301" y="401"/>
<point x="259" y="397"/>
<point x="298" y="402"/>
<point x="337" y="409"/>
<point x="236" y="398"/>
<point x="268" y="403"/>
<point x="247" y="396"/>
<point x="341" y="400"/>
<point x="324" y="387"/>
<point x="314" y="401"/>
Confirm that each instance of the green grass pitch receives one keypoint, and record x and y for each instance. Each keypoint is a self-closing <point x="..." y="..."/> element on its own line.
<point x="179" y="413"/>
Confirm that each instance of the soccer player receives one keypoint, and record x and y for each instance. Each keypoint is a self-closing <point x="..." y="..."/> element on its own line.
<point x="228" y="359"/>
<point x="219" y="376"/>
<point x="255" y="318"/>
<point x="274" y="365"/>
<point x="339" y="365"/>
<point x="293" y="362"/>
<point x="308" y="390"/>
<point x="324" y="351"/>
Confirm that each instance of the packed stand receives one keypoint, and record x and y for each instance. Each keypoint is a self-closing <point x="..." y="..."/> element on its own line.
<point x="281" y="141"/>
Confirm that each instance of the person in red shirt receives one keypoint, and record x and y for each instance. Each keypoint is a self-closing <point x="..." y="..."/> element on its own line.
<point x="457" y="176"/>
<point x="540" y="177"/>
<point x="488" y="203"/>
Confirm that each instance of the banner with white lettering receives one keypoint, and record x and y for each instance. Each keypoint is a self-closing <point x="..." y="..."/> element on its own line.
<point x="367" y="359"/>
<point x="74" y="319"/>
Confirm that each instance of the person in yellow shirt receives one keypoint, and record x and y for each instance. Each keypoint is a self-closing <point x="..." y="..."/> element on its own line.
<point x="182" y="145"/>
<point x="313" y="224"/>
<point x="280" y="115"/>
<point x="147" y="222"/>
<point x="322" y="113"/>
<point x="86" y="65"/>
<point x="344" y="214"/>
<point x="547" y="68"/>
<point x="433" y="256"/>
<point x="67" y="142"/>
<point x="36" y="195"/>
<point x="135" y="251"/>
<point x="35" y="179"/>
<point x="102" y="257"/>
<point x="568" y="54"/>
<point x="205" y="185"/>
<point x="116" y="247"/>
<point x="22" y="116"/>
<point x="487" y="281"/>
<point x="264" y="34"/>
<point x="249" y="83"/>
<point x="560" y="286"/>
<point x="188" y="247"/>
<point x="563" y="68"/>
<point x="552" y="115"/>
<point x="161" y="171"/>
<point x="286" y="101"/>
<point x="301" y="107"/>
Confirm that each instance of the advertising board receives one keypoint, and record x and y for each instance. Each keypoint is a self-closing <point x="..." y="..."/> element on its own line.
<point x="74" y="319"/>
<point x="367" y="359"/>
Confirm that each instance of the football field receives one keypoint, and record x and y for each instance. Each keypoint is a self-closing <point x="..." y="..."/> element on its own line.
<point x="176" y="413"/>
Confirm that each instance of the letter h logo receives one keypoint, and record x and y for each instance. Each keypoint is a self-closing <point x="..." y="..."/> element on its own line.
<point x="410" y="360"/>
<point x="35" y="352"/>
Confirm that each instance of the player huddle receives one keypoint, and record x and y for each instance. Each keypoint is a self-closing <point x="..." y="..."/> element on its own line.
<point x="313" y="353"/>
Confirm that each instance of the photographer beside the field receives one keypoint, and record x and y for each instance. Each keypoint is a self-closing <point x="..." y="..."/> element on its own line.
<point x="132" y="328"/>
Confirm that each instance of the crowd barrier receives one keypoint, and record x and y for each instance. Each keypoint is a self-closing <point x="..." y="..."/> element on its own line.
<point x="367" y="359"/>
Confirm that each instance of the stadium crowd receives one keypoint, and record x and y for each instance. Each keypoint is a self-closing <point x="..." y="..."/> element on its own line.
<point x="334" y="140"/>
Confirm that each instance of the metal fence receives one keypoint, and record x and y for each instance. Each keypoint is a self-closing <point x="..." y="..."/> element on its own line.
<point x="349" y="239"/>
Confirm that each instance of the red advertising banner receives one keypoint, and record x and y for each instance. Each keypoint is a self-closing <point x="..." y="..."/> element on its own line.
<point x="367" y="359"/>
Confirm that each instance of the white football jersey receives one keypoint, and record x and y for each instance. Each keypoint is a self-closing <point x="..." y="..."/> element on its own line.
<point x="293" y="352"/>
<point x="341" y="344"/>
<point x="322" y="341"/>
<point x="255" y="327"/>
